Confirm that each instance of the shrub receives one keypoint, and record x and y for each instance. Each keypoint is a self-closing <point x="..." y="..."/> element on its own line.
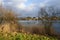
<point x="8" y="21"/>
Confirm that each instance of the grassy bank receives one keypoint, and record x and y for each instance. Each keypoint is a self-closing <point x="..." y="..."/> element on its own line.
<point x="24" y="36"/>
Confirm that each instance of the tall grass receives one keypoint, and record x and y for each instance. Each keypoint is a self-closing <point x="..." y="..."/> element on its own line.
<point x="8" y="21"/>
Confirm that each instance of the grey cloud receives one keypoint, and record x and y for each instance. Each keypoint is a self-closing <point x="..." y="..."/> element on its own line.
<point x="55" y="3"/>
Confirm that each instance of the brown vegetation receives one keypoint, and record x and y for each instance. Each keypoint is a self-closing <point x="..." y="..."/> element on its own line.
<point x="8" y="21"/>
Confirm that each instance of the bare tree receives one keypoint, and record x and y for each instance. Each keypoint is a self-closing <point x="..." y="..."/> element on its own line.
<point x="46" y="18"/>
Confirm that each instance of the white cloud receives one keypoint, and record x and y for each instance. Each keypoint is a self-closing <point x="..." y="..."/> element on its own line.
<point x="20" y="1"/>
<point x="9" y="3"/>
<point x="30" y="7"/>
<point x="25" y="7"/>
<point x="1" y="2"/>
<point x="42" y="5"/>
<point x="21" y="6"/>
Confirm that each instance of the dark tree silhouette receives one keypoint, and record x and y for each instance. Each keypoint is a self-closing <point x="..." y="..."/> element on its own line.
<point x="47" y="19"/>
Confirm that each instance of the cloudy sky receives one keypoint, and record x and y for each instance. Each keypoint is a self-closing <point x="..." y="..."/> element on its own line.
<point x="28" y="7"/>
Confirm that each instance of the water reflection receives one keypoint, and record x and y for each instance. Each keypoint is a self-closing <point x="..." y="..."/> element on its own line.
<point x="27" y="22"/>
<point x="55" y="24"/>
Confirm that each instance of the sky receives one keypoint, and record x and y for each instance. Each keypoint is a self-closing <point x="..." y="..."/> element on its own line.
<point x="28" y="7"/>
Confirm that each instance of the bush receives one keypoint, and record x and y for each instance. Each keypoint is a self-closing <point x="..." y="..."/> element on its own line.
<point x="8" y="21"/>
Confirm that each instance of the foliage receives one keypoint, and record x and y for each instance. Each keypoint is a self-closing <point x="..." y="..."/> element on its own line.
<point x="7" y="15"/>
<point x="8" y="20"/>
<point x="24" y="36"/>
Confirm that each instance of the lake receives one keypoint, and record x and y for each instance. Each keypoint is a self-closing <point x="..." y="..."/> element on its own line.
<point x="56" y="24"/>
<point x="27" y="23"/>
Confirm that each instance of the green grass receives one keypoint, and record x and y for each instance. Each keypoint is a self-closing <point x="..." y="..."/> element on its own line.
<point x="24" y="36"/>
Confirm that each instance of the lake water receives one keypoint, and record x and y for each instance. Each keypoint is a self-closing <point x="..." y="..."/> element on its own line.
<point x="27" y="23"/>
<point x="56" y="24"/>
